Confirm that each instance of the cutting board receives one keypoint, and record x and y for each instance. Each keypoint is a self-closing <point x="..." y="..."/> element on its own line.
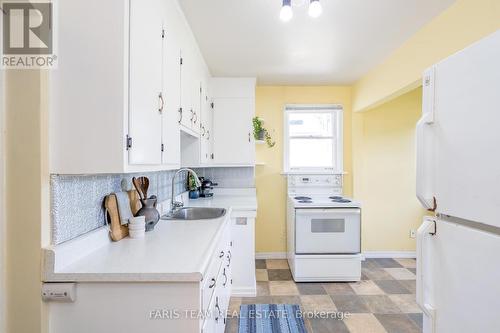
<point x="117" y="231"/>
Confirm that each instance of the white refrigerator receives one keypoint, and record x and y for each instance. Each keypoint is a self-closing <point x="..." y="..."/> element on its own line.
<point x="458" y="176"/>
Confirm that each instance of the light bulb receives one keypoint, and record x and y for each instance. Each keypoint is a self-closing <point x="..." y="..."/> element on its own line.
<point x="315" y="8"/>
<point x="286" y="13"/>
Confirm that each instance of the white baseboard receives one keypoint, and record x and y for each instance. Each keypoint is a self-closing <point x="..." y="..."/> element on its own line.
<point x="367" y="254"/>
<point x="243" y="292"/>
<point x="390" y="254"/>
<point x="270" y="255"/>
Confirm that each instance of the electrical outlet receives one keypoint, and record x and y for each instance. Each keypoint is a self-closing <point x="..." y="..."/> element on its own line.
<point x="413" y="233"/>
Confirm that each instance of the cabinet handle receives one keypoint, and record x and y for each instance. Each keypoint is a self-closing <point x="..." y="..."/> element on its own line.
<point x="203" y="131"/>
<point x="229" y="256"/>
<point x="195" y="117"/>
<point x="180" y="115"/>
<point x="208" y="134"/>
<point x="221" y="254"/>
<point x="192" y="115"/>
<point x="213" y="283"/>
<point x="218" y="308"/>
<point x="225" y="278"/>
<point x="248" y="136"/>
<point x="162" y="102"/>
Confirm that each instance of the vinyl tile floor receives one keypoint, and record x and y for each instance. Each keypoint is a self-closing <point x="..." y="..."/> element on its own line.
<point x="382" y="302"/>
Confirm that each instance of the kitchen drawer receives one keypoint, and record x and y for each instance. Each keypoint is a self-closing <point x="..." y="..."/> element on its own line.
<point x="215" y="272"/>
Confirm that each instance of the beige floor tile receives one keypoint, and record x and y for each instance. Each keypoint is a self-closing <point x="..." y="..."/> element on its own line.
<point x="363" y="323"/>
<point x="311" y="303"/>
<point x="277" y="264"/>
<point x="406" y="303"/>
<point x="400" y="273"/>
<point x="407" y="263"/>
<point x="340" y="288"/>
<point x="234" y="306"/>
<point x="261" y="275"/>
<point x="380" y="304"/>
<point x="283" y="288"/>
<point x="366" y="287"/>
<point x="263" y="289"/>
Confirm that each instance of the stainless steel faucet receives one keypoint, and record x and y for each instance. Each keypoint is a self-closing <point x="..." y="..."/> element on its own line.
<point x="174" y="205"/>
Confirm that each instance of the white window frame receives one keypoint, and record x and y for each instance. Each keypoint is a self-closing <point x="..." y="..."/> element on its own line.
<point x="337" y="112"/>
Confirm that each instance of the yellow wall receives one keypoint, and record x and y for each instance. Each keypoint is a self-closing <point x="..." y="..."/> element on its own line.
<point x="26" y="188"/>
<point x="271" y="185"/>
<point x="384" y="173"/>
<point x="463" y="23"/>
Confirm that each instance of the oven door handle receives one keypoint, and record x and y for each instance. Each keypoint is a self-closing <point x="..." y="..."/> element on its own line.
<point x="333" y="210"/>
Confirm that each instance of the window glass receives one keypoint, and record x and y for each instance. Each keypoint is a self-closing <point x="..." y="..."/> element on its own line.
<point x="311" y="153"/>
<point x="310" y="124"/>
<point x="312" y="142"/>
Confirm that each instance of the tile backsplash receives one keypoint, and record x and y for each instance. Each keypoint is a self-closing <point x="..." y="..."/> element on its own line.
<point x="77" y="200"/>
<point x="229" y="177"/>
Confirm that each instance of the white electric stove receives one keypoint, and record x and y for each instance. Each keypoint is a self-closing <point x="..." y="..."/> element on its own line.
<point x="323" y="230"/>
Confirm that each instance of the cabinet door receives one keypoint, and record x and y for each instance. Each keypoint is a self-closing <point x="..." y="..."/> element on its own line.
<point x="172" y="80"/>
<point x="233" y="139"/>
<point x="196" y="102"/>
<point x="145" y="82"/>
<point x="186" y="89"/>
<point x="205" y="127"/>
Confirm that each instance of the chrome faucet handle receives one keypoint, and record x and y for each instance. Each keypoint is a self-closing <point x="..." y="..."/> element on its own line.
<point x="177" y="204"/>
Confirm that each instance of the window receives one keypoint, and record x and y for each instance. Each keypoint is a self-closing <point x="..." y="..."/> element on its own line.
<point x="313" y="138"/>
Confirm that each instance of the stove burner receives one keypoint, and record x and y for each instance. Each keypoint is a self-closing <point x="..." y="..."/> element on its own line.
<point x="302" y="198"/>
<point x="305" y="201"/>
<point x="335" y="197"/>
<point x="341" y="200"/>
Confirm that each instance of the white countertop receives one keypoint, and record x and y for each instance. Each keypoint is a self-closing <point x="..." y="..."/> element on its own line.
<point x="174" y="251"/>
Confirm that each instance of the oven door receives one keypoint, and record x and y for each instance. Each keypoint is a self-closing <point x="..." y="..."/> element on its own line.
<point x="328" y="230"/>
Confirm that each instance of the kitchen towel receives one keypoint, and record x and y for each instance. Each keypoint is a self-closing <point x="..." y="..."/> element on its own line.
<point x="123" y="207"/>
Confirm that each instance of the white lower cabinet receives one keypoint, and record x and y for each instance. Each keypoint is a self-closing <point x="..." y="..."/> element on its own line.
<point x="151" y="307"/>
<point x="243" y="253"/>
<point x="216" y="290"/>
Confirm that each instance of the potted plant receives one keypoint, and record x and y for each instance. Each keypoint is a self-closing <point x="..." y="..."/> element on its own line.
<point x="258" y="130"/>
<point x="194" y="192"/>
<point x="260" y="133"/>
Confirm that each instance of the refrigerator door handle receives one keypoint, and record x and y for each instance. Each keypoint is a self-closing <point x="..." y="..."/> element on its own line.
<point x="424" y="149"/>
<point x="428" y="228"/>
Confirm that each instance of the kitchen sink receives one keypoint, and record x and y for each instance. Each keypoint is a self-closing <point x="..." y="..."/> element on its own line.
<point x="195" y="213"/>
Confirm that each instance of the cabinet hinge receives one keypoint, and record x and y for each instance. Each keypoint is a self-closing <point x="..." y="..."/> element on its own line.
<point x="128" y="143"/>
<point x="162" y="147"/>
<point x="180" y="61"/>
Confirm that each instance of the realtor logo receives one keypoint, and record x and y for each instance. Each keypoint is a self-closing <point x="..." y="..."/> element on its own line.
<point x="28" y="35"/>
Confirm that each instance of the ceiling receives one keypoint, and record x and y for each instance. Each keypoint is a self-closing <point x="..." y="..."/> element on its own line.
<point x="247" y="38"/>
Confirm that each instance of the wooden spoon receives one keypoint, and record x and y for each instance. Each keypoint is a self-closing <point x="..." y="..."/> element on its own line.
<point x="138" y="187"/>
<point x="144" y="181"/>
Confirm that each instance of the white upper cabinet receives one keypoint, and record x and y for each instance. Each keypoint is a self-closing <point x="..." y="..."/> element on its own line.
<point x="234" y="108"/>
<point x="146" y="93"/>
<point x="206" y="126"/>
<point x="116" y="94"/>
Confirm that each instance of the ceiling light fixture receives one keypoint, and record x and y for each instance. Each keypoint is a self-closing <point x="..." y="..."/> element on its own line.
<point x="315" y="8"/>
<point x="298" y="3"/>
<point x="286" y="13"/>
